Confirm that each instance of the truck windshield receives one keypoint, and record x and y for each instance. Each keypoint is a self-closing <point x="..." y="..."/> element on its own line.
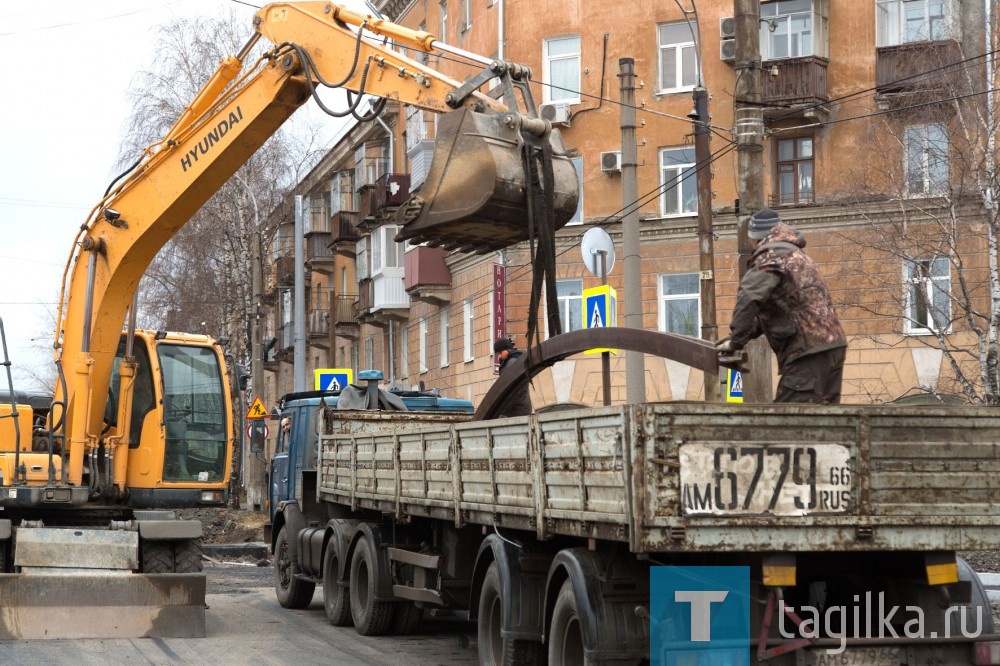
<point x="194" y="411"/>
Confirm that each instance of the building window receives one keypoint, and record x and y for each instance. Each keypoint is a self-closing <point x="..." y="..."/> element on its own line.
<point x="678" y="59"/>
<point x="468" y="327"/>
<point x="680" y="298"/>
<point x="578" y="215"/>
<point x="562" y="70"/>
<point x="926" y="159"/>
<point x="795" y="171"/>
<point x="444" y="22"/>
<point x="904" y="21"/>
<point x="404" y="352"/>
<point x="678" y="182"/>
<point x="445" y="336"/>
<point x="928" y="295"/>
<point x="570" y="295"/>
<point x="385" y="250"/>
<point x="786" y="29"/>
<point x="370" y="352"/>
<point x="423" y="345"/>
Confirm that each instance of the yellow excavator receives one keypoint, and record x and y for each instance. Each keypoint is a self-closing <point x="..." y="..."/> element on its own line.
<point x="141" y="420"/>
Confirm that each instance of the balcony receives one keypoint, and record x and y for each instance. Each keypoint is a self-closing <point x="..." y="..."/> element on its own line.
<point x="345" y="323"/>
<point x="284" y="274"/>
<point x="319" y="327"/>
<point x="319" y="256"/>
<point x="916" y="67"/>
<point x="426" y="277"/>
<point x="366" y="298"/>
<point x="379" y="201"/>
<point x="284" y="271"/>
<point x="284" y="348"/>
<point x="344" y="232"/>
<point x="794" y="87"/>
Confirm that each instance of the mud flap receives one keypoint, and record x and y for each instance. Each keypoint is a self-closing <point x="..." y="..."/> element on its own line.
<point x="475" y="196"/>
<point x="80" y="604"/>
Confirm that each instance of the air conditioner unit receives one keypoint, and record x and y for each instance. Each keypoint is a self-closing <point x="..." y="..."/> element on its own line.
<point x="727" y="27"/>
<point x="611" y="161"/>
<point x="557" y="113"/>
<point x="727" y="50"/>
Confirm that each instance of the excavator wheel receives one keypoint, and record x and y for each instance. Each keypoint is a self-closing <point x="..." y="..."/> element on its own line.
<point x="157" y="557"/>
<point x="187" y="556"/>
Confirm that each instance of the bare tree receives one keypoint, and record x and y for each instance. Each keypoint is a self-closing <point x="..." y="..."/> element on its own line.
<point x="200" y="282"/>
<point x="927" y="271"/>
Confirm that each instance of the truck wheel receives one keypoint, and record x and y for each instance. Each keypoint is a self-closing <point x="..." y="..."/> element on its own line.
<point x="187" y="556"/>
<point x="336" y="599"/>
<point x="565" y="634"/>
<point x="979" y="603"/>
<point x="157" y="557"/>
<point x="406" y="618"/>
<point x="371" y="618"/>
<point x="291" y="591"/>
<point x="493" y="647"/>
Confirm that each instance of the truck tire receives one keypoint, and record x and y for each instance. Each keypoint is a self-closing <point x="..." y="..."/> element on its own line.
<point x="371" y="618"/>
<point x="187" y="556"/>
<point x="336" y="599"/>
<point x="406" y="619"/>
<point x="979" y="603"/>
<point x="157" y="557"/>
<point x="494" y="649"/>
<point x="565" y="633"/>
<point x="291" y="591"/>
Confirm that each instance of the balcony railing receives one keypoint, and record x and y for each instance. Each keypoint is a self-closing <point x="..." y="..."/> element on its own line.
<point x="284" y="270"/>
<point x="343" y="310"/>
<point x="794" y="81"/>
<point x="366" y="297"/>
<point x="317" y="245"/>
<point x="379" y="201"/>
<point x="319" y="323"/>
<point x="344" y="226"/>
<point x="916" y="66"/>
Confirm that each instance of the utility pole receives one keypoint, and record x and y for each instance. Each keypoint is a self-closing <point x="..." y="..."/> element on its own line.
<point x="253" y="465"/>
<point x="750" y="155"/>
<point x="706" y="244"/>
<point x="299" y="303"/>
<point x="635" y="363"/>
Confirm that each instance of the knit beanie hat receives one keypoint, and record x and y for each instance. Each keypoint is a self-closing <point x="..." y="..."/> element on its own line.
<point x="761" y="223"/>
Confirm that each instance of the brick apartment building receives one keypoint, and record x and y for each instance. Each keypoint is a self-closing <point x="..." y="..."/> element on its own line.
<point x="874" y="148"/>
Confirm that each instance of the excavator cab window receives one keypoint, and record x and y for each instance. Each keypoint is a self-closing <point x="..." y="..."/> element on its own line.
<point x="194" y="413"/>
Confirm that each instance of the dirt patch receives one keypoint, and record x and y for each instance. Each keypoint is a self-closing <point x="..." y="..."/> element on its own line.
<point x="226" y="525"/>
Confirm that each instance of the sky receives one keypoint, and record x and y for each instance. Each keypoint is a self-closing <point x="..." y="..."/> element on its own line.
<point x="65" y="87"/>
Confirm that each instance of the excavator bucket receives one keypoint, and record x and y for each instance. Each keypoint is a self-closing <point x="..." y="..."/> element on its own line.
<point x="475" y="197"/>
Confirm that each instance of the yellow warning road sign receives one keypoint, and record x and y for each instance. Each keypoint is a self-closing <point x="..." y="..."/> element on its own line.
<point x="257" y="409"/>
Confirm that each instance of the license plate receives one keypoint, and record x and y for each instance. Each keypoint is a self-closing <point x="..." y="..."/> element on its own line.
<point x="781" y="480"/>
<point x="870" y="656"/>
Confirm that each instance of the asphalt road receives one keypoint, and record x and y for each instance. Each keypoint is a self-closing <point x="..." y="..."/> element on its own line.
<point x="245" y="624"/>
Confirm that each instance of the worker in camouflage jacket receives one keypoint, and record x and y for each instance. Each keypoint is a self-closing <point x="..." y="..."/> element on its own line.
<point x="783" y="297"/>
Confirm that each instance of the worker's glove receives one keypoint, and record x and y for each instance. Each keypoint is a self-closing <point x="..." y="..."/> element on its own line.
<point x="725" y="346"/>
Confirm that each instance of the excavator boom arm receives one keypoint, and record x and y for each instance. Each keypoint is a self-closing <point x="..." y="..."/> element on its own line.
<point x="224" y="125"/>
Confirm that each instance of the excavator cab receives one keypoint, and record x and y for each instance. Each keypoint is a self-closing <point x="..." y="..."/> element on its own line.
<point x="179" y="421"/>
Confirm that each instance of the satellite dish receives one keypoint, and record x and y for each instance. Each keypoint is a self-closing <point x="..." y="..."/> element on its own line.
<point x="594" y="242"/>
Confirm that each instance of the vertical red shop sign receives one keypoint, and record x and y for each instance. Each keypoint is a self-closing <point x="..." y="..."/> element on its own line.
<point x="499" y="309"/>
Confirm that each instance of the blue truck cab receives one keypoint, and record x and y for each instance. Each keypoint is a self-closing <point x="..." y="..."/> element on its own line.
<point x="297" y="429"/>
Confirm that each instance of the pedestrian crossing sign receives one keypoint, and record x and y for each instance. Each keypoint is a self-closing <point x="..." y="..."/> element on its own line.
<point x="734" y="385"/>
<point x="333" y="379"/>
<point x="600" y="310"/>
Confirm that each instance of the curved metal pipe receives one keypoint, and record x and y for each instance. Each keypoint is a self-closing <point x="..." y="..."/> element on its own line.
<point x="699" y="354"/>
